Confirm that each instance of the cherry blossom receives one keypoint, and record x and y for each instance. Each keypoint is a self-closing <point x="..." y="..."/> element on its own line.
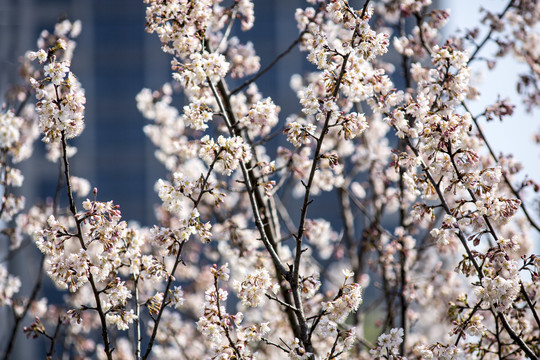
<point x="374" y="220"/>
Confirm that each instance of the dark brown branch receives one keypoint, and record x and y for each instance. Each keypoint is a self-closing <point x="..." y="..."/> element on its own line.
<point x="104" y="332"/>
<point x="258" y="221"/>
<point x="269" y="231"/>
<point x="516" y="338"/>
<point x="300" y="233"/>
<point x="530" y="304"/>
<point x="177" y="261"/>
<point x="53" y="339"/>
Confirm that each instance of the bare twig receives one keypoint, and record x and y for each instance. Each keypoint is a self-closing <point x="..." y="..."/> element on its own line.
<point x="281" y="302"/>
<point x="488" y="36"/>
<point x="276" y="60"/>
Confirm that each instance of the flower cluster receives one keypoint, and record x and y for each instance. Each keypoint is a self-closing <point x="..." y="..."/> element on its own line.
<point x="253" y="288"/>
<point x="243" y="59"/>
<point x="388" y="345"/>
<point x="9" y="129"/>
<point x="225" y="154"/>
<point x="9" y="286"/>
<point x="261" y="118"/>
<point x="61" y="97"/>
<point x="197" y="115"/>
<point x="201" y="67"/>
<point x="352" y="125"/>
<point x="501" y="285"/>
<point x="218" y="326"/>
<point x="299" y="132"/>
<point x="348" y="299"/>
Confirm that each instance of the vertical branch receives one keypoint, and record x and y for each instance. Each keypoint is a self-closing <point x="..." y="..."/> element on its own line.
<point x="301" y="227"/>
<point x="403" y="256"/>
<point x="3" y="180"/>
<point x="348" y="223"/>
<point x="402" y="298"/>
<point x="104" y="331"/>
<point x="138" y="336"/>
<point x="250" y="189"/>
<point x="224" y="323"/>
<point x="267" y="232"/>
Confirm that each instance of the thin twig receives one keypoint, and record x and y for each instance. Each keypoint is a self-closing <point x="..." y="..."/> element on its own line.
<point x="530" y="304"/>
<point x="331" y="354"/>
<point x="21" y="316"/>
<point x="53" y="339"/>
<point x="104" y="332"/>
<point x="138" y="336"/>
<point x="276" y="345"/>
<point x="279" y="57"/>
<point x="281" y="302"/>
<point x="163" y="305"/>
<point x="488" y="36"/>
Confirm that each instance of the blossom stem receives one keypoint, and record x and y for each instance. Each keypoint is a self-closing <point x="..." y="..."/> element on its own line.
<point x="446" y="208"/>
<point x="104" y="332"/>
<point x="250" y="190"/>
<point x="331" y="354"/>
<point x="223" y="323"/>
<point x="138" y="336"/>
<point x="466" y="322"/>
<point x="53" y="338"/>
<point x="163" y="305"/>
